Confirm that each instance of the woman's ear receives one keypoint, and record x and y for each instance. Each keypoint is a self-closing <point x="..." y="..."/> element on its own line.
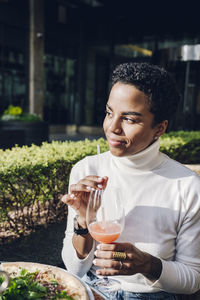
<point x="161" y="128"/>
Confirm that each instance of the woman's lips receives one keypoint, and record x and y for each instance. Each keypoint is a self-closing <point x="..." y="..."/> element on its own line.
<point x="115" y="143"/>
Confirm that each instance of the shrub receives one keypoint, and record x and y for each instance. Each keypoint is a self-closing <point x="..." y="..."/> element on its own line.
<point x="183" y="146"/>
<point x="32" y="180"/>
<point x="15" y="113"/>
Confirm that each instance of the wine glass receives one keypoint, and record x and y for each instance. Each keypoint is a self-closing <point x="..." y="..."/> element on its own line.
<point x="105" y="222"/>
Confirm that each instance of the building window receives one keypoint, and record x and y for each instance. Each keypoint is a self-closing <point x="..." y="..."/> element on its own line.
<point x="60" y="89"/>
<point x="12" y="79"/>
<point x="61" y="14"/>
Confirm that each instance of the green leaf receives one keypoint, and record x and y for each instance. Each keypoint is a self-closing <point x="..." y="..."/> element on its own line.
<point x="34" y="295"/>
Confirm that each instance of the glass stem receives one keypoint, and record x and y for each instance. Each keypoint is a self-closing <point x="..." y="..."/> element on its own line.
<point x="105" y="278"/>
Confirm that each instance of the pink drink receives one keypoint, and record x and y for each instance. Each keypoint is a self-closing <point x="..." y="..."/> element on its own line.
<point x="105" y="232"/>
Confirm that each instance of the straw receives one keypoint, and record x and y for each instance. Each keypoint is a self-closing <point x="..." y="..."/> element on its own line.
<point x="100" y="193"/>
<point x="98" y="149"/>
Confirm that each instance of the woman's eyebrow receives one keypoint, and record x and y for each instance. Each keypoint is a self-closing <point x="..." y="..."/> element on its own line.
<point x="126" y="113"/>
<point x="133" y="113"/>
<point x="107" y="106"/>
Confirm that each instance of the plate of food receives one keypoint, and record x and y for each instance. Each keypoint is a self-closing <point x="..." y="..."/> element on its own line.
<point x="43" y="282"/>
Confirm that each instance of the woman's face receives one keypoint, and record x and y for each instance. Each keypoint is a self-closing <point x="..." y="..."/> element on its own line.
<point x="128" y="122"/>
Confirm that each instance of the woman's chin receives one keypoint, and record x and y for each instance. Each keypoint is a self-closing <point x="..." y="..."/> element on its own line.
<point x="117" y="152"/>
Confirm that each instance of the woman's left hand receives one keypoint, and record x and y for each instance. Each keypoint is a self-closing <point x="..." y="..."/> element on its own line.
<point x="133" y="261"/>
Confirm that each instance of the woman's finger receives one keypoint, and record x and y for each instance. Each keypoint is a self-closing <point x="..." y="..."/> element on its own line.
<point x="90" y="182"/>
<point x="79" y="187"/>
<point x="120" y="247"/>
<point x="106" y="263"/>
<point x="112" y="272"/>
<point x="71" y="200"/>
<point x="96" y="178"/>
<point x="125" y="255"/>
<point x="110" y="267"/>
<point x="68" y="198"/>
<point x="85" y="186"/>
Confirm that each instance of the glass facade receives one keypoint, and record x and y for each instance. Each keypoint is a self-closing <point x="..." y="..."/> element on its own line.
<point x="13" y="54"/>
<point x="77" y="69"/>
<point x="60" y="89"/>
<point x="185" y="70"/>
<point x="13" y="83"/>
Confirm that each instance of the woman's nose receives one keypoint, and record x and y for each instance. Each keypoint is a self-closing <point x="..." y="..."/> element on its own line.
<point x="115" y="126"/>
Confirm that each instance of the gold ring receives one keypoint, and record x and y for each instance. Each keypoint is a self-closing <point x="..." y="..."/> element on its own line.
<point x="119" y="255"/>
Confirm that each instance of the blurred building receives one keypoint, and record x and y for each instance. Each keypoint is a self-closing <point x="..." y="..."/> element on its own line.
<point x="56" y="56"/>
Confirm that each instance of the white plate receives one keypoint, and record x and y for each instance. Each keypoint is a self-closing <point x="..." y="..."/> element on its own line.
<point x="89" y="292"/>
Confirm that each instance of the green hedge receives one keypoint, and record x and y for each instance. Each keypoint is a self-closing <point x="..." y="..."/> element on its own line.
<point x="183" y="146"/>
<point x="33" y="179"/>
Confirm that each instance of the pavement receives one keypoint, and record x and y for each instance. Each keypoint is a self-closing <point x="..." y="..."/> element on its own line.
<point x="195" y="168"/>
<point x="42" y="246"/>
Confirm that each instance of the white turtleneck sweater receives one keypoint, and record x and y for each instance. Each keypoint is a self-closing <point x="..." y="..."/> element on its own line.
<point x="162" y="208"/>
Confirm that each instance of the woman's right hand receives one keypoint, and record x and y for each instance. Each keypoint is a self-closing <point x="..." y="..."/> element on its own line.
<point x="79" y="194"/>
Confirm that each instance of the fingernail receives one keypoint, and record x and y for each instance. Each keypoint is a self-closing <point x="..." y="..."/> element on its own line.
<point x="94" y="261"/>
<point x="99" y="179"/>
<point x="90" y="188"/>
<point x="98" y="246"/>
<point x="98" y="272"/>
<point x="72" y="196"/>
<point x="100" y="186"/>
<point x="95" y="253"/>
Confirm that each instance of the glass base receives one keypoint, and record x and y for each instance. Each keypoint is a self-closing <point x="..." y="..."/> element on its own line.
<point x="106" y="285"/>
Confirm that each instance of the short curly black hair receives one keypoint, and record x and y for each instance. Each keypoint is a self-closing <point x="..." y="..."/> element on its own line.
<point x="158" y="85"/>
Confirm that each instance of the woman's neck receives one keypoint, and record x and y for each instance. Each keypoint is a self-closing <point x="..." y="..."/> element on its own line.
<point x="145" y="160"/>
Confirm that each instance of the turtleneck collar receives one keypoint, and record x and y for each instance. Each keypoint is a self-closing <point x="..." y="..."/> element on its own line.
<point x="146" y="160"/>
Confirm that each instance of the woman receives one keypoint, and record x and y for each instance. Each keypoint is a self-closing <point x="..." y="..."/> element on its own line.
<point x="161" y="237"/>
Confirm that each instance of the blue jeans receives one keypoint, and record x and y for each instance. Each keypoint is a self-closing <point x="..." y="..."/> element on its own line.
<point x="123" y="295"/>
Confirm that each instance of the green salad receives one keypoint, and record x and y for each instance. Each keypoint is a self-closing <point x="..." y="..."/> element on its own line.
<point x="33" y="285"/>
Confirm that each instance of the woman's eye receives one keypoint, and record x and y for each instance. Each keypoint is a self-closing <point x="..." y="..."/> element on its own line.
<point x="108" y="113"/>
<point x="129" y="120"/>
